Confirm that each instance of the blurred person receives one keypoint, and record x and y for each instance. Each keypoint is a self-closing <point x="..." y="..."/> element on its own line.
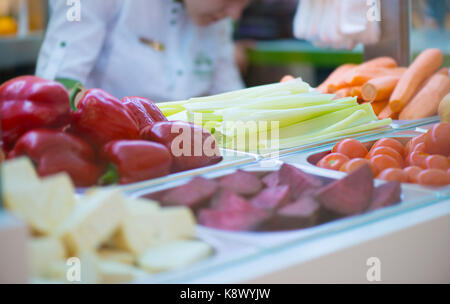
<point x="159" y="49"/>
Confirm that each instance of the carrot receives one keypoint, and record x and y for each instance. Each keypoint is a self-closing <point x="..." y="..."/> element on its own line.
<point x="379" y="88"/>
<point x="426" y="102"/>
<point x="422" y="68"/>
<point x="359" y="77"/>
<point x="443" y="71"/>
<point x="287" y="78"/>
<point x="379" y="105"/>
<point x="380" y="62"/>
<point x="387" y="113"/>
<point x="335" y="77"/>
<point x="356" y="92"/>
<point x="344" y="92"/>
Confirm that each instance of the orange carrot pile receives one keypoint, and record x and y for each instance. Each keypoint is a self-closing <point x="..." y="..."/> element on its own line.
<point x="394" y="92"/>
<point x="425" y="65"/>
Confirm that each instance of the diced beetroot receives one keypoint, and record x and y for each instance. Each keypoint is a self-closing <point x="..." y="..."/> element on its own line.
<point x="241" y="182"/>
<point x="228" y="200"/>
<point x="271" y="180"/>
<point x="232" y="220"/>
<point x="300" y="214"/>
<point x="156" y="196"/>
<point x="385" y="195"/>
<point x="298" y="180"/>
<point x="259" y="174"/>
<point x="193" y="194"/>
<point x="350" y="195"/>
<point x="272" y="198"/>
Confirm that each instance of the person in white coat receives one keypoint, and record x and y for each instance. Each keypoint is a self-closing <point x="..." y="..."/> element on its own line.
<point x="159" y="49"/>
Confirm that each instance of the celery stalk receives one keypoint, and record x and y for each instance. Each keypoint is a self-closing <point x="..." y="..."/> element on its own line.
<point x="286" y="117"/>
<point x="303" y="140"/>
<point x="293" y="86"/>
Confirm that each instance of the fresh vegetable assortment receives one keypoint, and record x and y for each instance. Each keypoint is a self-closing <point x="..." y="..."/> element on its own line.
<point x="287" y="199"/>
<point x="301" y="116"/>
<point x="394" y="92"/>
<point x="101" y="139"/>
<point x="424" y="160"/>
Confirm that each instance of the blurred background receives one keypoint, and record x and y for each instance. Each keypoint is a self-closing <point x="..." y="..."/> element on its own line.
<point x="266" y="49"/>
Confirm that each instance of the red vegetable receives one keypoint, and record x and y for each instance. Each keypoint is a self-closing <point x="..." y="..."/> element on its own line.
<point x="333" y="161"/>
<point x="144" y="111"/>
<point x="232" y="220"/>
<point x="101" y="118"/>
<point x="350" y="195"/>
<point x="55" y="152"/>
<point x="193" y="194"/>
<point x="302" y="213"/>
<point x="385" y="195"/>
<point x="242" y="182"/>
<point x="272" y="198"/>
<point x="28" y="103"/>
<point x="191" y="146"/>
<point x="297" y="180"/>
<point x="137" y="160"/>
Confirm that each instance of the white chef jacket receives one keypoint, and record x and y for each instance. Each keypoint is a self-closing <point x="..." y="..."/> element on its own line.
<point x="105" y="50"/>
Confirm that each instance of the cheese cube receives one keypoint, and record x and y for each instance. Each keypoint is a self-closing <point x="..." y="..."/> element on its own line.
<point x="83" y="269"/>
<point x="17" y="173"/>
<point x="44" y="204"/>
<point x="139" y="229"/>
<point x="146" y="226"/>
<point x="118" y="273"/>
<point x="115" y="255"/>
<point x="174" y="255"/>
<point x="43" y="252"/>
<point x="93" y="222"/>
<point x="176" y="223"/>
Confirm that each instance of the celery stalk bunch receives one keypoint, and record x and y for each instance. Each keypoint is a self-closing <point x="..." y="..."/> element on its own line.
<point x="266" y="118"/>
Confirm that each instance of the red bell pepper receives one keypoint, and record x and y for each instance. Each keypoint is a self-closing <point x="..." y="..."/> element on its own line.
<point x="57" y="151"/>
<point x="101" y="118"/>
<point x="191" y="145"/>
<point x="135" y="160"/>
<point x="30" y="102"/>
<point x="145" y="112"/>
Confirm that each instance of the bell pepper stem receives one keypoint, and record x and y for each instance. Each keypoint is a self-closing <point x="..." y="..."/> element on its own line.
<point x="73" y="95"/>
<point x="111" y="175"/>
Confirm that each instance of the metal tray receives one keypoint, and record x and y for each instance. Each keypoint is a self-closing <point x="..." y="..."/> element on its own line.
<point x="310" y="158"/>
<point x="406" y="124"/>
<point x="238" y="247"/>
<point x="412" y="196"/>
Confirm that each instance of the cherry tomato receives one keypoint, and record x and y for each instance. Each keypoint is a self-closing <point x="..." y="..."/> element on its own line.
<point x="394" y="175"/>
<point x="438" y="139"/>
<point x="385" y="150"/>
<point x="436" y="162"/>
<point x="412" y="173"/>
<point x="356" y="163"/>
<point x="391" y="143"/>
<point x="433" y="177"/>
<point x="351" y="147"/>
<point x="416" y="159"/>
<point x="381" y="162"/>
<point x="333" y="161"/>
<point x="411" y="145"/>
